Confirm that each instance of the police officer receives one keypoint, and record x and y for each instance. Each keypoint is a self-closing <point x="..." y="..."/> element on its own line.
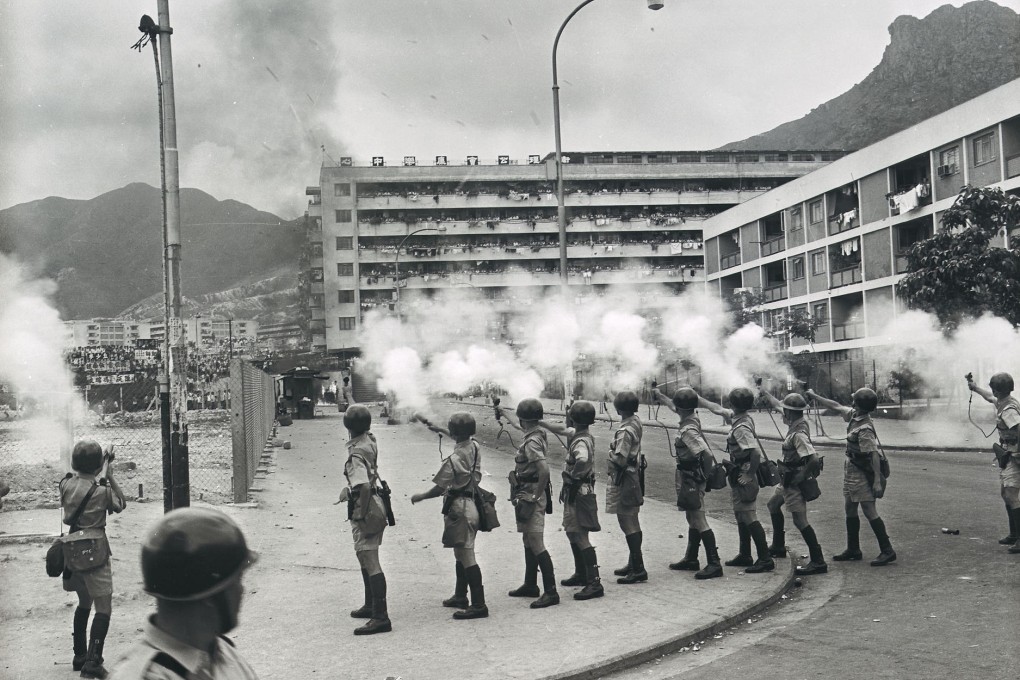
<point x="742" y="446"/>
<point x="364" y="509"/>
<point x="578" y="498"/>
<point x="530" y="500"/>
<point x="625" y="464"/>
<point x="1007" y="422"/>
<point x="456" y="481"/>
<point x="863" y="483"/>
<point x="798" y="464"/>
<point x="193" y="560"/>
<point x="694" y="462"/>
<point x="92" y="488"/>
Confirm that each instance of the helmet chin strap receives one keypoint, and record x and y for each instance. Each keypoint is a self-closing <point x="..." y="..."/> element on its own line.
<point x="228" y="619"/>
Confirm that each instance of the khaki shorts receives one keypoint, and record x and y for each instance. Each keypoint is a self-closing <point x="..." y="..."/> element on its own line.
<point x="462" y="522"/>
<point x="98" y="581"/>
<point x="740" y="505"/>
<point x="613" y="506"/>
<point x="363" y="541"/>
<point x="535" y="523"/>
<point x="855" y="484"/>
<point x="1010" y="476"/>
<point x="792" y="498"/>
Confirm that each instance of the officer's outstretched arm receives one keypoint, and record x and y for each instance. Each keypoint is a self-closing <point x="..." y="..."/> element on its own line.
<point x="511" y="420"/>
<point x="828" y="403"/>
<point x="982" y="392"/>
<point x="715" y="408"/>
<point x="663" y="399"/>
<point x="557" y="428"/>
<point x="775" y="403"/>
<point x="434" y="492"/>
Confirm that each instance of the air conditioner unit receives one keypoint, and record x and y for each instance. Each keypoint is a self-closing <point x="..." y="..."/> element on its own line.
<point x="942" y="170"/>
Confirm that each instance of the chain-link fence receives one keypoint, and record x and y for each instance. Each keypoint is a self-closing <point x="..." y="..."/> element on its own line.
<point x="252" y="417"/>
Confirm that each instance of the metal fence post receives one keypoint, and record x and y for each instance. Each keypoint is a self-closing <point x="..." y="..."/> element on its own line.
<point x="238" y="439"/>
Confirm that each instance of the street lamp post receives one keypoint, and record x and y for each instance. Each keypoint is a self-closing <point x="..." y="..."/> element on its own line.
<point x="396" y="261"/>
<point x="561" y="209"/>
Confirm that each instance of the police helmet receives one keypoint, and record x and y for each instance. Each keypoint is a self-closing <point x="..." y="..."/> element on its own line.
<point x="193" y="553"/>
<point x="582" y="412"/>
<point x="530" y="409"/>
<point x="1001" y="382"/>
<point x="741" y="399"/>
<point x="461" y="424"/>
<point x="685" y="399"/>
<point x="87" y="456"/>
<point x="794" y="402"/>
<point x="626" y="401"/>
<point x="357" y="419"/>
<point x="865" y="400"/>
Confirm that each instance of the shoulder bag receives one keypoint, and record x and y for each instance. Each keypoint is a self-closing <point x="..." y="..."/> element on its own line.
<point x="485" y="501"/>
<point x="55" y="553"/>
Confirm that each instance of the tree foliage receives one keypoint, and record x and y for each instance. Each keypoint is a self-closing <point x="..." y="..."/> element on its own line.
<point x="797" y="323"/>
<point x="956" y="274"/>
<point x="746" y="306"/>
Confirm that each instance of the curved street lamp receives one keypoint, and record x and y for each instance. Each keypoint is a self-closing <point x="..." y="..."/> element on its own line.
<point x="396" y="261"/>
<point x="561" y="210"/>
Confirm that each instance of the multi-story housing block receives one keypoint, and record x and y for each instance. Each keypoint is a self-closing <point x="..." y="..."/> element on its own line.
<point x="633" y="218"/>
<point x="833" y="242"/>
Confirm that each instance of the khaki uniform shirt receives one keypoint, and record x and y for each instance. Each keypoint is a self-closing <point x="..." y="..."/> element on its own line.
<point x="362" y="456"/>
<point x="460" y="467"/>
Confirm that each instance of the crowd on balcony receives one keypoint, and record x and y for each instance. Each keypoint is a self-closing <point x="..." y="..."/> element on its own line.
<point x="511" y="244"/>
<point x="519" y="191"/>
<point x="493" y="219"/>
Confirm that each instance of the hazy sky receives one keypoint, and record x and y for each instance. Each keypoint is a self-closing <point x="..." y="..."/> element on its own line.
<point x="262" y="85"/>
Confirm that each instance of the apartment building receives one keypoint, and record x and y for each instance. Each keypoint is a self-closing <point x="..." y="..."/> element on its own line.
<point x="209" y="330"/>
<point x="633" y="217"/>
<point x="833" y="242"/>
<point x="102" y="331"/>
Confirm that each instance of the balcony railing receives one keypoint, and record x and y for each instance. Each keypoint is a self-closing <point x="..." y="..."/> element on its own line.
<point x="775" y="244"/>
<point x="731" y="260"/>
<point x="775" y="293"/>
<point x="847" y="331"/>
<point x="547" y="250"/>
<point x="845" y="277"/>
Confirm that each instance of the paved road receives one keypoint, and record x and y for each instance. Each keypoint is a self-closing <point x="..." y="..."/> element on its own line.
<point x="946" y="609"/>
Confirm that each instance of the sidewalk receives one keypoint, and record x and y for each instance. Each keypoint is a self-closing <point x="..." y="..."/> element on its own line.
<point x="294" y="621"/>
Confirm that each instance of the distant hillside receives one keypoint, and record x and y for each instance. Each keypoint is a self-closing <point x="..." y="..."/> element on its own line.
<point x="106" y="253"/>
<point x="930" y="65"/>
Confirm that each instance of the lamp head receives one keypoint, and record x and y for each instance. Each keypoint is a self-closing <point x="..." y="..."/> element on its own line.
<point x="655" y="4"/>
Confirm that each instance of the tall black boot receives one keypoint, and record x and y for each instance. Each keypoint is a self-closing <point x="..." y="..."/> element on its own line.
<point x="1014" y="533"/>
<point x="365" y="610"/>
<point x="761" y="545"/>
<point x="637" y="572"/>
<point x="93" y="666"/>
<point x="853" y="541"/>
<point x="886" y="553"/>
<point x="530" y="587"/>
<point x="477" y="609"/>
<point x="593" y="584"/>
<point x="459" y="599"/>
<point x="550" y="596"/>
<point x="778" y="547"/>
<point x="80" y="637"/>
<point x="1015" y="548"/>
<point x="577" y="578"/>
<point x="743" y="558"/>
<point x="817" y="564"/>
<point x="690" y="560"/>
<point x="713" y="568"/>
<point x="380" y="621"/>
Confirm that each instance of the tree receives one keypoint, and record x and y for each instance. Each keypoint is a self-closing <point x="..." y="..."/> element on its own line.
<point x="746" y="306"/>
<point x="907" y="383"/>
<point x="957" y="274"/>
<point x="797" y="323"/>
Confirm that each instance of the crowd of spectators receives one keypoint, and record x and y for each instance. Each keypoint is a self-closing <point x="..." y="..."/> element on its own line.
<point x="546" y="190"/>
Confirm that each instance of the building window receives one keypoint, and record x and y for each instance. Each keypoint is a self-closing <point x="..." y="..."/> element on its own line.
<point x="949" y="161"/>
<point x="315" y="250"/>
<point x="345" y="297"/>
<point x="984" y="152"/>
<point x="820" y="311"/>
<point x="797" y="267"/>
<point x="342" y="189"/>
<point x="343" y="215"/>
<point x="775" y="158"/>
<point x="688" y="158"/>
<point x="316" y="300"/>
<point x="629" y="158"/>
<point x="717" y="158"/>
<point x="796" y="218"/>
<point x="818" y="263"/>
<point x="347" y="323"/>
<point x="344" y="269"/>
<point x="747" y="158"/>
<point x="345" y="243"/>
<point x="802" y="157"/>
<point x="831" y="156"/>
<point x="601" y="159"/>
<point x="816" y="211"/>
<point x="317" y="275"/>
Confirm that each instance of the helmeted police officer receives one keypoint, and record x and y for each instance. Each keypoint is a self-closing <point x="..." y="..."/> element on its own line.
<point x="457" y="481"/>
<point x="1007" y="423"/>
<point x="623" y="497"/>
<point x="799" y="463"/>
<point x="694" y="463"/>
<point x="192" y="563"/>
<point x="863" y="483"/>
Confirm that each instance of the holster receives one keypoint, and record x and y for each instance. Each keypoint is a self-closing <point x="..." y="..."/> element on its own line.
<point x="514" y="484"/>
<point x="1001" y="455"/>
<point x="642" y="464"/>
<point x="447" y="503"/>
<point x="352" y="501"/>
<point x="548" y="497"/>
<point x="384" y="494"/>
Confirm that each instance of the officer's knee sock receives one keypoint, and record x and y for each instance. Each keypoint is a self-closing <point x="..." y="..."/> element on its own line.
<point x="578" y="560"/>
<point x="473" y="574"/>
<point x="1016" y="517"/>
<point x="460" y="590"/>
<point x="761" y="544"/>
<point x="744" y="534"/>
<point x="853" y="533"/>
<point x="878" y="526"/>
<point x="548" y="576"/>
<point x="637" y="560"/>
<point x="778" y="529"/>
<point x="530" y="567"/>
<point x="97" y="638"/>
<point x="711" y="551"/>
<point x="379" y="611"/>
<point x="814" y="548"/>
<point x="1013" y="524"/>
<point x="693" y="544"/>
<point x="590" y="565"/>
<point x="368" y="587"/>
<point x="81" y="637"/>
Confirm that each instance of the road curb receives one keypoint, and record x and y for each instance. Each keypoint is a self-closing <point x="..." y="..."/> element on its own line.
<point x="13" y="539"/>
<point x="645" y="654"/>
